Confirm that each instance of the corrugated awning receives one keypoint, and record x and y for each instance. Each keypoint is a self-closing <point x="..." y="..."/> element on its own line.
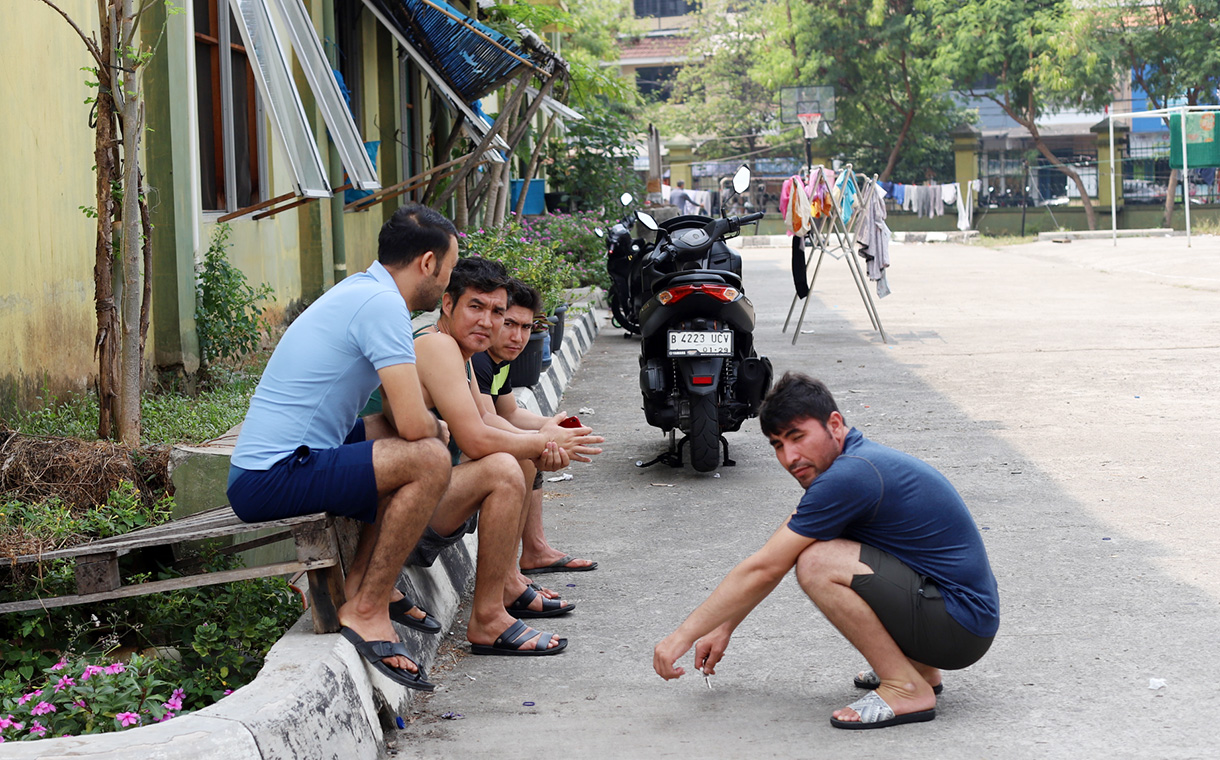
<point x="473" y="124"/>
<point x="473" y="58"/>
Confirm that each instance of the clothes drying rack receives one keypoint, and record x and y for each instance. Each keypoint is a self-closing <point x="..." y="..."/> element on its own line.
<point x="831" y="235"/>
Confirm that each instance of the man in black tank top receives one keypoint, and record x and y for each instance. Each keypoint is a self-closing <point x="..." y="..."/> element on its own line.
<point x="489" y="486"/>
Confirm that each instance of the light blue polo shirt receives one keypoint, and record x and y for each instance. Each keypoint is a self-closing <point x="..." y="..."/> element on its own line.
<point x="324" y="369"/>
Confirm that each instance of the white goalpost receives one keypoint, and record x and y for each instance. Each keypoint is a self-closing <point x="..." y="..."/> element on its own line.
<point x="1176" y="110"/>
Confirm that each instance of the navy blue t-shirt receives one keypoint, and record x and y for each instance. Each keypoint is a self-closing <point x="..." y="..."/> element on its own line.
<point x="892" y="501"/>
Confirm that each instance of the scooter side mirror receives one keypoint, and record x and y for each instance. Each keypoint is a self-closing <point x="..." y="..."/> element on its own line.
<point x="741" y="180"/>
<point x="599" y="232"/>
<point x="647" y="220"/>
<point x="626" y="199"/>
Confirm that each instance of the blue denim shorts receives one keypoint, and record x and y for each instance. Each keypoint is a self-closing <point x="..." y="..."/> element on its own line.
<point x="340" y="481"/>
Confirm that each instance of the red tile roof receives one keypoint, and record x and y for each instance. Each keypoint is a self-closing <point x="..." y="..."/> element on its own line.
<point x="654" y="47"/>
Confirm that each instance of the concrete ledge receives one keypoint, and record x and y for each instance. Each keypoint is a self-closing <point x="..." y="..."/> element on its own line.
<point x="1107" y="234"/>
<point x="955" y="236"/>
<point x="314" y="697"/>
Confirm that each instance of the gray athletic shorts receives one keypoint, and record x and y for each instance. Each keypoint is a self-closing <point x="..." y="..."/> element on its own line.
<point x="431" y="543"/>
<point x="912" y="609"/>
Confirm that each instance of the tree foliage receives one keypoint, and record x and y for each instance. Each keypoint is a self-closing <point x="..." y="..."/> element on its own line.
<point x="893" y="116"/>
<point x="1038" y="64"/>
<point x="718" y="95"/>
<point x="1168" y="46"/>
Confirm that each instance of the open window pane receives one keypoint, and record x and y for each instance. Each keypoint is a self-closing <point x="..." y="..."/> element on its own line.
<point x="274" y="78"/>
<point x="321" y="80"/>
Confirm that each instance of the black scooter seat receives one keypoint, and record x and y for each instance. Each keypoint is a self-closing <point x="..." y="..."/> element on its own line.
<point x="697" y="276"/>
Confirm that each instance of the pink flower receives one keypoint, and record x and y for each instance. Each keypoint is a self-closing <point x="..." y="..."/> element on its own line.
<point x="80" y="703"/>
<point x="38" y="729"/>
<point x="42" y="708"/>
<point x="114" y="668"/>
<point x="228" y="692"/>
<point x="64" y="682"/>
<point x="91" y="671"/>
<point x="127" y="718"/>
<point x="165" y="717"/>
<point x="27" y="697"/>
<point x="175" y="703"/>
<point x="60" y="665"/>
<point x="6" y="722"/>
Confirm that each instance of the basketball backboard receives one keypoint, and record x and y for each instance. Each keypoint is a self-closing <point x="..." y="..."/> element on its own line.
<point x="806" y="99"/>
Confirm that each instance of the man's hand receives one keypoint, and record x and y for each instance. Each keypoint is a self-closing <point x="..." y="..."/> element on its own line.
<point x="577" y="442"/>
<point x="553" y="459"/>
<point x="442" y="431"/>
<point x="666" y="655"/>
<point x="710" y="649"/>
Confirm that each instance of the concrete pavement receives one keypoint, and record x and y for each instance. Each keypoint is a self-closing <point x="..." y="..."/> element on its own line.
<point x="1068" y="390"/>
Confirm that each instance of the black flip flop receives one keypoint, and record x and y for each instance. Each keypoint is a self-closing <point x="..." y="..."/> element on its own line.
<point x="400" y="613"/>
<point x="560" y="566"/>
<point x="509" y="643"/>
<point x="520" y="608"/>
<point x="375" y="652"/>
<point x="871" y="681"/>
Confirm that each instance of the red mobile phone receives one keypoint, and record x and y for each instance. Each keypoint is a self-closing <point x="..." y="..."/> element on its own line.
<point x="571" y="422"/>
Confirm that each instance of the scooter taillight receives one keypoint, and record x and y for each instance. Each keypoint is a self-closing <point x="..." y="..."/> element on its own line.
<point x="719" y="292"/>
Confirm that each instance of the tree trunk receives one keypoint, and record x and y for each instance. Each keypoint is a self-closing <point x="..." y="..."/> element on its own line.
<point x="133" y="243"/>
<point x="1027" y="121"/>
<point x="896" y="151"/>
<point x="105" y="344"/>
<point x="461" y="215"/>
<point x="1171" y="196"/>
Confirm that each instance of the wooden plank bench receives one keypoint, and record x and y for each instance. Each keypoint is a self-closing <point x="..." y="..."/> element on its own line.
<point x="319" y="549"/>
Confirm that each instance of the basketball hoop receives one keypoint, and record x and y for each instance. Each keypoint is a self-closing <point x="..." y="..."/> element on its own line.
<point x="809" y="123"/>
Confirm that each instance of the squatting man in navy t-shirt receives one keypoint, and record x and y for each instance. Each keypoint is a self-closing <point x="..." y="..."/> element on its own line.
<point x="882" y="544"/>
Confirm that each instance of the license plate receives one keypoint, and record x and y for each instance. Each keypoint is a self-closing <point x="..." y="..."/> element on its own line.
<point x="700" y="343"/>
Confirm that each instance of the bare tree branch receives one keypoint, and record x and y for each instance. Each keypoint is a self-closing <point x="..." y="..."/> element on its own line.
<point x="90" y="44"/>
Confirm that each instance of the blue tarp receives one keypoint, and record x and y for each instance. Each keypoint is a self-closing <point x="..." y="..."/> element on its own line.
<point x="471" y="64"/>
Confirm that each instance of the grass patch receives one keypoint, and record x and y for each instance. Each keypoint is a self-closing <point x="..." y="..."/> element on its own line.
<point x="166" y="417"/>
<point x="999" y="241"/>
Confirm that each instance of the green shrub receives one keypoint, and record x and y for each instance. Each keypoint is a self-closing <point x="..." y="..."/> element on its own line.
<point x="530" y="261"/>
<point x="227" y="309"/>
<point x="572" y="237"/>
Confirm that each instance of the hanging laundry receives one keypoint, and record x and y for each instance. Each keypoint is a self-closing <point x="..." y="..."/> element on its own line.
<point x="820" y="200"/>
<point x="908" y="201"/>
<point x="874" y="240"/>
<point x="845" y="188"/>
<point x="965" y="209"/>
<point x="949" y="193"/>
<point x="794" y="202"/>
<point x="937" y="198"/>
<point x="898" y="193"/>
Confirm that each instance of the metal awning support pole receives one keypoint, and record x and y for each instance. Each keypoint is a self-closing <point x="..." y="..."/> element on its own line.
<point x="1185" y="173"/>
<point x="501" y="120"/>
<point x="519" y="131"/>
<point x="1113" y="198"/>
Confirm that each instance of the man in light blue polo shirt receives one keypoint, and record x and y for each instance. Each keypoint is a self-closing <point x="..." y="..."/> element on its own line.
<point x="303" y="450"/>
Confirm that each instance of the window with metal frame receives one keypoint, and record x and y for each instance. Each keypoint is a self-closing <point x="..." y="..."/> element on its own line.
<point x="230" y="144"/>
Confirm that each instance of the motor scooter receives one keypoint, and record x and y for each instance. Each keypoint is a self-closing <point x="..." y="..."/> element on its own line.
<point x="699" y="372"/>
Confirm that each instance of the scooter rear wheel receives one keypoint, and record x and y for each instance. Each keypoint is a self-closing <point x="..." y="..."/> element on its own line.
<point x="704" y="435"/>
